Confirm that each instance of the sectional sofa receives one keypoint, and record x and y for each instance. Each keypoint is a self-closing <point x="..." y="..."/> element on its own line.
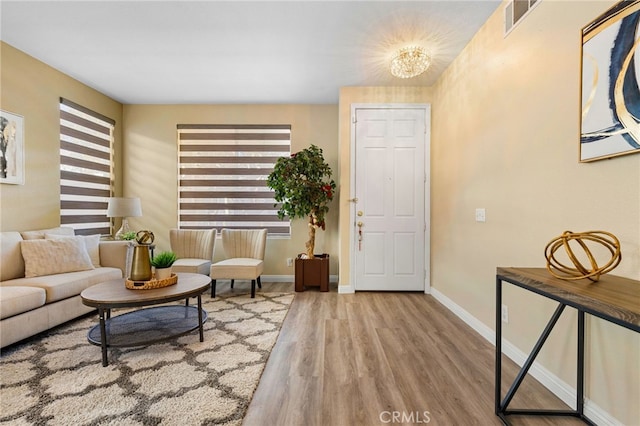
<point x="43" y="272"/>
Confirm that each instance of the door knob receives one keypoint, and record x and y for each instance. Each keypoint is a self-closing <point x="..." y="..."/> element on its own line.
<point x="360" y="213"/>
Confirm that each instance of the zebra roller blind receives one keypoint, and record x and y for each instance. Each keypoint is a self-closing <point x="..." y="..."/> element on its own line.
<point x="222" y="176"/>
<point x="86" y="168"/>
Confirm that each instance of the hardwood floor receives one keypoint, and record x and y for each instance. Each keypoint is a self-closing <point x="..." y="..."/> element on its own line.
<point x="360" y="359"/>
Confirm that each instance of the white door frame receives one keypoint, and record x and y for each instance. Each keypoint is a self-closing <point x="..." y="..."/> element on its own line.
<point x="427" y="187"/>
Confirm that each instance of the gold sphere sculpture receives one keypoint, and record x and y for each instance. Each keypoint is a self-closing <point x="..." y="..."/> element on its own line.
<point x="580" y="271"/>
<point x="145" y="237"/>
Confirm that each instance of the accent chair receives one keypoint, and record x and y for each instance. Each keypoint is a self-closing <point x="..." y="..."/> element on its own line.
<point x="193" y="248"/>
<point x="244" y="250"/>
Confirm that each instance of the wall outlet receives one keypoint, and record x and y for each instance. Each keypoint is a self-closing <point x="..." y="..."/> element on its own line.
<point x="505" y="313"/>
<point x="289" y="261"/>
<point x="481" y="215"/>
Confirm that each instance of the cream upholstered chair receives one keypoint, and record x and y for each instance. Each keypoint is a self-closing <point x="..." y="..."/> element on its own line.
<point x="193" y="248"/>
<point x="244" y="251"/>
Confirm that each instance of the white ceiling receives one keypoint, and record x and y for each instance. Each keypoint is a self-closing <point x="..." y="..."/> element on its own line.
<point x="218" y="52"/>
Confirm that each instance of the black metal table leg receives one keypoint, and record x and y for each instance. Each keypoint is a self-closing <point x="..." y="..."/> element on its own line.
<point x="498" y="378"/>
<point x="200" y="318"/>
<point x="103" y="335"/>
<point x="501" y="405"/>
<point x="580" y="372"/>
<point x="532" y="356"/>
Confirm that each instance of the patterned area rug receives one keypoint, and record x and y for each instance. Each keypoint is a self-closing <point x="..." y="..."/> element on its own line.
<point x="58" y="378"/>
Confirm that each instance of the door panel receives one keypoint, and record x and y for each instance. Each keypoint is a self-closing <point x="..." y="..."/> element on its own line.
<point x="405" y="262"/>
<point x="404" y="183"/>
<point x="390" y="189"/>
<point x="373" y="199"/>
<point x="372" y="264"/>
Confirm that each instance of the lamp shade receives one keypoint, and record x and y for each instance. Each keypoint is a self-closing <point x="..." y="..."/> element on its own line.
<point x="124" y="207"/>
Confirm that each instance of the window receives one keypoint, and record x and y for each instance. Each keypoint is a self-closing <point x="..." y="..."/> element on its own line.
<point x="222" y="176"/>
<point x="86" y="169"/>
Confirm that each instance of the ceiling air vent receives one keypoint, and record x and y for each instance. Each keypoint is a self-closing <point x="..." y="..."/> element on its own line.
<point x="515" y="11"/>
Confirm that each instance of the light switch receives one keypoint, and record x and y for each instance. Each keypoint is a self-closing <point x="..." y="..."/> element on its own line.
<point x="481" y="215"/>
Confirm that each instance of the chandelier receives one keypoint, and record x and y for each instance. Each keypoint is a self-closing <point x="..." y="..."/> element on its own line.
<point x="410" y="62"/>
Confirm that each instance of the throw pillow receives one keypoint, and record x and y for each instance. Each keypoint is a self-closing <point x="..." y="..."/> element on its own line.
<point x="48" y="257"/>
<point x="39" y="234"/>
<point x="91" y="243"/>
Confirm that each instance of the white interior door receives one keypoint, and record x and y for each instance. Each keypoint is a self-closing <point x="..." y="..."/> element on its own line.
<point x="390" y="225"/>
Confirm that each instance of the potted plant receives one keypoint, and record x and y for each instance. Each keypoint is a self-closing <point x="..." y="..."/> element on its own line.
<point x="304" y="189"/>
<point x="130" y="235"/>
<point x="162" y="262"/>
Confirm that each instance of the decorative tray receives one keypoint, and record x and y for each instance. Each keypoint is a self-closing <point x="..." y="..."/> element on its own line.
<point x="148" y="285"/>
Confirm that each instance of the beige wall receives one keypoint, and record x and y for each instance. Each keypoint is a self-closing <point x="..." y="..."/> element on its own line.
<point x="361" y="95"/>
<point x="150" y="170"/>
<point x="505" y="137"/>
<point x="32" y="89"/>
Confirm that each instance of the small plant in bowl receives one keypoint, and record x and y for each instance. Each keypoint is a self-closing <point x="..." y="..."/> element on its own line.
<point x="162" y="262"/>
<point x="131" y="235"/>
<point x="164" y="259"/>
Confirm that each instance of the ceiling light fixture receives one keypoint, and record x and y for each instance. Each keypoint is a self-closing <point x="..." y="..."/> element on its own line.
<point x="410" y="62"/>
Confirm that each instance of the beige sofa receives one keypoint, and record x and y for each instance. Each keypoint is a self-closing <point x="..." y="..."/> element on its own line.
<point x="43" y="272"/>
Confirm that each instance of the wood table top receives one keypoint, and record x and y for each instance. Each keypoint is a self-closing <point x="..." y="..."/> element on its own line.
<point x="612" y="297"/>
<point x="114" y="294"/>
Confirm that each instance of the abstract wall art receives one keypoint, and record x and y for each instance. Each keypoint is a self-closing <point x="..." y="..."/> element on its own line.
<point x="610" y="122"/>
<point x="11" y="148"/>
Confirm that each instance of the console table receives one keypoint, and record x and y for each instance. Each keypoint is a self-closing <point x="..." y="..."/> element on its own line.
<point x="614" y="299"/>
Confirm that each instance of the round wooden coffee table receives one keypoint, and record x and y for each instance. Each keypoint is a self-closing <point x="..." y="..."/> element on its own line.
<point x="149" y="325"/>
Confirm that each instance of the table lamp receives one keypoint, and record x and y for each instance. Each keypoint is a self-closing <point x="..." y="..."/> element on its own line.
<point x="124" y="208"/>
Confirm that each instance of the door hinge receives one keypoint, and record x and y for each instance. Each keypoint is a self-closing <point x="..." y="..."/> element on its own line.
<point x="354" y="119"/>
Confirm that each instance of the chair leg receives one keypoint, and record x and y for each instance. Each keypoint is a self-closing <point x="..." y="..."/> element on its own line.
<point x="253" y="289"/>
<point x="259" y="283"/>
<point x="213" y="289"/>
<point x="232" y="283"/>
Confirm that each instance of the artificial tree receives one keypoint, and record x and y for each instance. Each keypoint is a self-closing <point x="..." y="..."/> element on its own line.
<point x="303" y="188"/>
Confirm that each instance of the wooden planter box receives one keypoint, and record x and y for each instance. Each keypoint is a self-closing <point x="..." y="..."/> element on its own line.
<point x="313" y="273"/>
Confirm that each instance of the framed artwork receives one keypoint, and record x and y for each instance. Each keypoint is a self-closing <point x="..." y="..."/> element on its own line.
<point x="11" y="148"/>
<point x="610" y="122"/>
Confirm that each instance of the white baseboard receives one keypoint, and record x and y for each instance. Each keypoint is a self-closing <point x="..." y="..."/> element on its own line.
<point x="346" y="289"/>
<point x="558" y="387"/>
<point x="470" y="320"/>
